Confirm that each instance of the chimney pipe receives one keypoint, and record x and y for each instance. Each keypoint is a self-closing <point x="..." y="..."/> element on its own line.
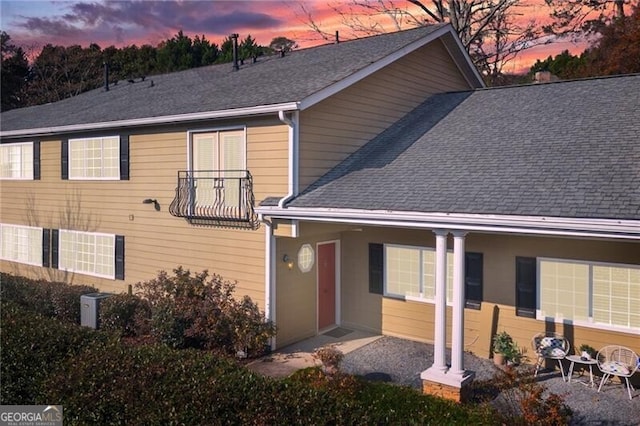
<point x="234" y="37"/>
<point x="337" y="38"/>
<point x="106" y="76"/>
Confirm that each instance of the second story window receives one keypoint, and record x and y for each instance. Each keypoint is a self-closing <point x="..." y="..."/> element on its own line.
<point x="217" y="188"/>
<point x="20" y="161"/>
<point x="98" y="158"/>
<point x="219" y="160"/>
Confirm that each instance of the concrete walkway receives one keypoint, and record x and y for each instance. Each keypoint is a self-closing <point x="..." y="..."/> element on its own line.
<point x="289" y="359"/>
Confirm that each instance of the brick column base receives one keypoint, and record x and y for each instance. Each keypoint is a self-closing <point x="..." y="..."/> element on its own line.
<point x="453" y="393"/>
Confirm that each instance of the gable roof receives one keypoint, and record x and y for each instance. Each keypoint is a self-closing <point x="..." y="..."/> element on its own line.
<point x="273" y="83"/>
<point x="565" y="149"/>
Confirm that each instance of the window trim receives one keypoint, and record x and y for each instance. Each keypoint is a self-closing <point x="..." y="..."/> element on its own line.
<point x="68" y="162"/>
<point x="590" y="323"/>
<point x="8" y="259"/>
<point x="468" y="303"/>
<point x="35" y="151"/>
<point x="114" y="238"/>
<point x="191" y="133"/>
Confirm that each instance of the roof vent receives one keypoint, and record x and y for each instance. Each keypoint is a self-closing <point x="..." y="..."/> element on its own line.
<point x="106" y="76"/>
<point x="234" y="37"/>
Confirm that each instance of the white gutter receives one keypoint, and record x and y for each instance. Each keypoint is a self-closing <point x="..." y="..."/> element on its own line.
<point x="540" y="225"/>
<point x="147" y="121"/>
<point x="293" y="166"/>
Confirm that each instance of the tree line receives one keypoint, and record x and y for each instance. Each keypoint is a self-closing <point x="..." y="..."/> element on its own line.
<point x="617" y="51"/>
<point x="59" y="72"/>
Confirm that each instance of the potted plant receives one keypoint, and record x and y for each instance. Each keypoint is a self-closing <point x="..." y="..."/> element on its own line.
<point x="505" y="349"/>
<point x="587" y="352"/>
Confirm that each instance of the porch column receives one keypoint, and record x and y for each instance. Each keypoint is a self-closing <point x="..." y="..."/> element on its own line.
<point x="440" y="320"/>
<point x="457" y="321"/>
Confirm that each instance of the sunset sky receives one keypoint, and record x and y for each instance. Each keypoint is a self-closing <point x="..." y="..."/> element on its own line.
<point x="32" y="24"/>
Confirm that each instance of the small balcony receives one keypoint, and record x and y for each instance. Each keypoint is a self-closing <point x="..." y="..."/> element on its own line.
<point x="215" y="197"/>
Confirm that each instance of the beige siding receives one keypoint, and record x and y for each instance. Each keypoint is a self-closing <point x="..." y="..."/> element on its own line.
<point x="339" y="125"/>
<point x="154" y="240"/>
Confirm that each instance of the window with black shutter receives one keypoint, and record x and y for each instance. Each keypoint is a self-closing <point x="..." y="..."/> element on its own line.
<point x="473" y="280"/>
<point x="124" y="157"/>
<point x="64" y="160"/>
<point x="54" y="248"/>
<point x="119" y="275"/>
<point x="526" y="286"/>
<point x="376" y="268"/>
<point x="46" y="248"/>
<point x="36" y="160"/>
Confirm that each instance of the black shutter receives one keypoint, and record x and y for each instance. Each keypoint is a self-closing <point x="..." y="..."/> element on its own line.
<point x="54" y="248"/>
<point x="526" y="286"/>
<point x="64" y="159"/>
<point x="473" y="280"/>
<point x="124" y="157"/>
<point x="46" y="248"/>
<point x="119" y="257"/>
<point x="376" y="268"/>
<point x="36" y="160"/>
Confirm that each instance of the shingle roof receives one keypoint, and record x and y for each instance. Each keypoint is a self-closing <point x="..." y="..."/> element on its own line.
<point x="272" y="80"/>
<point x="566" y="149"/>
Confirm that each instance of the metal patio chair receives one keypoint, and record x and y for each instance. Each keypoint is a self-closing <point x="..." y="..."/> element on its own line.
<point x="550" y="346"/>
<point x="618" y="361"/>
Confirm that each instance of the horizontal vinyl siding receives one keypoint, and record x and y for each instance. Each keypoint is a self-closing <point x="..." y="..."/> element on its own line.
<point x="154" y="240"/>
<point x="338" y="126"/>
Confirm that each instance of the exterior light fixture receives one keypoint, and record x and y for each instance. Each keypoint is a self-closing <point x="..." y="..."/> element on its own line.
<point x="153" y="201"/>
<point x="288" y="261"/>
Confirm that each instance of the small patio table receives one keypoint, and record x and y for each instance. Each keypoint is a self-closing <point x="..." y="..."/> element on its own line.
<point x="577" y="359"/>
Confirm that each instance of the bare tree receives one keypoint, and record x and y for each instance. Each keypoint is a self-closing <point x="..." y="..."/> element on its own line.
<point x="494" y="32"/>
<point x="577" y="17"/>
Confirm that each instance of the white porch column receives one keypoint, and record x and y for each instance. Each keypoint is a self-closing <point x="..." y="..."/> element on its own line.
<point x="440" y="320"/>
<point x="457" y="321"/>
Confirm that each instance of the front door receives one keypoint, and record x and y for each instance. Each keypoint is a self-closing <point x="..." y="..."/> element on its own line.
<point x="326" y="285"/>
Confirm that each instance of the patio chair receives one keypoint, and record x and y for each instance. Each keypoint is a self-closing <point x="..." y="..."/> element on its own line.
<point x="618" y="361"/>
<point x="550" y="346"/>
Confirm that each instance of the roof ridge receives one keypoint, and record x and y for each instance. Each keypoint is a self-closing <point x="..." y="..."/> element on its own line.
<point x="572" y="80"/>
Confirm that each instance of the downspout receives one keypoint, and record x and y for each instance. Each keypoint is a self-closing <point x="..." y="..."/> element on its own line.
<point x="269" y="274"/>
<point x="293" y="164"/>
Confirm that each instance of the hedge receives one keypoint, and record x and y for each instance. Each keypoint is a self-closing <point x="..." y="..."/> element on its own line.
<point x="51" y="299"/>
<point x="99" y="380"/>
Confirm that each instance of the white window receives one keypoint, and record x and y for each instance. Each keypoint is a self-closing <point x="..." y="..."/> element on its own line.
<point x="410" y="273"/>
<point x="306" y="258"/>
<point x="589" y="293"/>
<point x="21" y="244"/>
<point x="218" y="163"/>
<point x="87" y="253"/>
<point x="94" y="158"/>
<point x="16" y="161"/>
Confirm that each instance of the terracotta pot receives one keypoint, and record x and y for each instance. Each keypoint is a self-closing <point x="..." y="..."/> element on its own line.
<point x="498" y="359"/>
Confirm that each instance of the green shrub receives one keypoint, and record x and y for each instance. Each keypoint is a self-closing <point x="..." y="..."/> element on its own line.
<point x="51" y="299"/>
<point x="155" y="385"/>
<point x="199" y="311"/>
<point x="126" y="314"/>
<point x="32" y="346"/>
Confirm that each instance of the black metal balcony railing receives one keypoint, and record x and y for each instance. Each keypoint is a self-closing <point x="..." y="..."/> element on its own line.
<point x="215" y="196"/>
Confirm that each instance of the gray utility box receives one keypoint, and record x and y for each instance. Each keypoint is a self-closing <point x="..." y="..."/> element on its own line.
<point x="90" y="309"/>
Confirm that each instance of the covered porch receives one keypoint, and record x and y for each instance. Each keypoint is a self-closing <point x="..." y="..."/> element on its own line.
<point x="444" y="315"/>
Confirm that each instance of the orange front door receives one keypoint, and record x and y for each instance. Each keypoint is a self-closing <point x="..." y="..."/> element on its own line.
<point x="326" y="285"/>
